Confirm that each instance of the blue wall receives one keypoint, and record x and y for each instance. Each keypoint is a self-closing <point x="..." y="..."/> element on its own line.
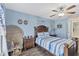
<point x="13" y="16"/>
<point x="62" y="32"/>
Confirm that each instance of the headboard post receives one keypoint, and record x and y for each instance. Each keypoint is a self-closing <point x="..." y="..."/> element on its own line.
<point x="66" y="49"/>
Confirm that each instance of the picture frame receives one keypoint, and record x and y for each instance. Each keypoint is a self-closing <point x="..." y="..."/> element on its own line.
<point x="20" y="21"/>
<point x="25" y="22"/>
<point x="59" y="26"/>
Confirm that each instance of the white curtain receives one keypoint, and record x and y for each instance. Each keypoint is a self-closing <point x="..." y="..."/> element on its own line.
<point x="3" y="43"/>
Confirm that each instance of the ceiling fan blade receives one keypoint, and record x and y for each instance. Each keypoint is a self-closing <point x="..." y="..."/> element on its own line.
<point x="52" y="15"/>
<point x="54" y="10"/>
<point x="71" y="12"/>
<point x="71" y="7"/>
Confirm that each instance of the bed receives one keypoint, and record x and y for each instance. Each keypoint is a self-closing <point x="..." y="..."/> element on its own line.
<point x="55" y="45"/>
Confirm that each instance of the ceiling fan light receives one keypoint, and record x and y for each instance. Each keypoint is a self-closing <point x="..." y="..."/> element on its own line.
<point x="61" y="14"/>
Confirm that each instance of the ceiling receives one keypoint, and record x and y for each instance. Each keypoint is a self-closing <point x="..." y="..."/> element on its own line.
<point x="37" y="9"/>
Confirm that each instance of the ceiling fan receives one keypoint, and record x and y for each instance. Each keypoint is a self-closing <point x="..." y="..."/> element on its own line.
<point x="61" y="11"/>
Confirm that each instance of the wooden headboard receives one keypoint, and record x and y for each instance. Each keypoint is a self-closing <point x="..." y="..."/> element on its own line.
<point x="40" y="28"/>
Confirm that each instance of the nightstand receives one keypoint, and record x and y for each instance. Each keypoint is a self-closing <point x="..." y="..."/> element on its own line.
<point x="29" y="43"/>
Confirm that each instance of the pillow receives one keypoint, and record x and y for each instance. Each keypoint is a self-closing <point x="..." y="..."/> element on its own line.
<point x="46" y="34"/>
<point x="43" y="34"/>
<point x="40" y="34"/>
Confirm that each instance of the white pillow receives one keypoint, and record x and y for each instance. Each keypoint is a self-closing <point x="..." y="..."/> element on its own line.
<point x="40" y="34"/>
<point x="46" y="34"/>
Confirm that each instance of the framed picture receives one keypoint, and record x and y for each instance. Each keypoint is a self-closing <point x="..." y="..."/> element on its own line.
<point x="20" y="21"/>
<point x="59" y="26"/>
<point x="25" y="22"/>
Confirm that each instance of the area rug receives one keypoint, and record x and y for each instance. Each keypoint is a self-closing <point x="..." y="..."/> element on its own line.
<point x="37" y="51"/>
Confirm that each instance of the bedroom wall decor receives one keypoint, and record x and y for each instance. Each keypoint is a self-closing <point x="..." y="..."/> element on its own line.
<point x="14" y="35"/>
<point x="59" y="26"/>
<point x="25" y="22"/>
<point x="20" y="21"/>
